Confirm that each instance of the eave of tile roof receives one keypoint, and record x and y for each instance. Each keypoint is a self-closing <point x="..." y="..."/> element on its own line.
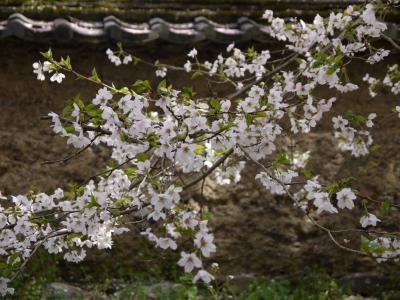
<point x="112" y="29"/>
<point x="179" y="11"/>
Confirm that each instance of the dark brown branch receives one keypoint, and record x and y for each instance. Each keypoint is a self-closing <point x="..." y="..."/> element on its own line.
<point x="84" y="127"/>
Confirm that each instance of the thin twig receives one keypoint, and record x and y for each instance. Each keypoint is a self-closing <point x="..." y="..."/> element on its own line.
<point x="65" y="159"/>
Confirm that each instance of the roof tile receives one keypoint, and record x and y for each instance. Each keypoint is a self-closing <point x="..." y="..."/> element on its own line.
<point x="112" y="29"/>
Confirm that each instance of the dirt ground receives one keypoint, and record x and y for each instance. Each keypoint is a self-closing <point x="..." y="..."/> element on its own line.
<point x="255" y="232"/>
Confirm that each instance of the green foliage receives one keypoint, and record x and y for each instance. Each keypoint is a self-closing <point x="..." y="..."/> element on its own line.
<point x="141" y="156"/>
<point x="215" y="104"/>
<point x="66" y="63"/>
<point x="385" y="206"/>
<point x="141" y="86"/>
<point x="371" y="247"/>
<point x="313" y="286"/>
<point x="47" y="55"/>
<point x="196" y="75"/>
<point x="282" y="159"/>
<point x="95" y="76"/>
<point x="357" y="119"/>
<point x="39" y="272"/>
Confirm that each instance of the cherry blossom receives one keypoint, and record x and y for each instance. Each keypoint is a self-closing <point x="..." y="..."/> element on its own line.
<point x="369" y="220"/>
<point x="204" y="276"/>
<point x="189" y="261"/>
<point x="345" y="198"/>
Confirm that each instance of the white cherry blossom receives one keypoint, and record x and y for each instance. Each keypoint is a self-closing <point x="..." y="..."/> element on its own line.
<point x="369" y="220"/>
<point x="189" y="261"/>
<point x="345" y="198"/>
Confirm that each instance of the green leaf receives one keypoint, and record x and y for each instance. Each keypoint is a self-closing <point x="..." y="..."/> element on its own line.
<point x="162" y="86"/>
<point x="385" y="207"/>
<point x="74" y="235"/>
<point x="141" y="156"/>
<point x="67" y="110"/>
<point x="282" y="159"/>
<point x="251" y="52"/>
<point x="186" y="231"/>
<point x="218" y="151"/>
<point x="337" y="62"/>
<point x="141" y="86"/>
<point x="95" y="76"/>
<point x="320" y="60"/>
<point x="196" y="75"/>
<point x="122" y="202"/>
<point x="215" y="104"/>
<point x="12" y="259"/>
<point x="124" y="137"/>
<point x="47" y="55"/>
<point x="299" y="61"/>
<point x="199" y="149"/>
<point x="332" y="188"/>
<point x="225" y="126"/>
<point x="98" y="121"/>
<point x="92" y="110"/>
<point x="355" y="118"/>
<point x="92" y="202"/>
<point x="124" y="90"/>
<point x="260" y="114"/>
<point x="307" y="173"/>
<point x="3" y="265"/>
<point x="66" y="63"/>
<point x="368" y="246"/>
<point x="78" y="101"/>
<point x="249" y="119"/>
<point x="188" y="92"/>
<point x="130" y="172"/>
<point x="152" y="138"/>
<point x="375" y="148"/>
<point x="364" y="244"/>
<point x="69" y="195"/>
<point x="69" y="129"/>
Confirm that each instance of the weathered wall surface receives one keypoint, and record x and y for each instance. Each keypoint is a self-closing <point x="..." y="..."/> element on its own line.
<point x="256" y="232"/>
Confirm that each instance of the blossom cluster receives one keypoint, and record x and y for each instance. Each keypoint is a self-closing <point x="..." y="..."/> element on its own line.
<point x="164" y="140"/>
<point x="351" y="139"/>
<point x="116" y="58"/>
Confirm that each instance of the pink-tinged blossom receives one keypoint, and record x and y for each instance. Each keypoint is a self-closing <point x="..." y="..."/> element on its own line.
<point x="102" y="97"/>
<point x="369" y="220"/>
<point x="165" y="243"/>
<point x="204" y="276"/>
<point x="189" y="261"/>
<point x="205" y="242"/>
